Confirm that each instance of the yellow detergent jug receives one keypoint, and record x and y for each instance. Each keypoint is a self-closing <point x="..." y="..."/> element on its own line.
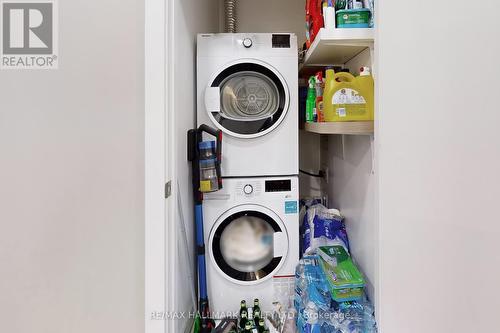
<point x="348" y="98"/>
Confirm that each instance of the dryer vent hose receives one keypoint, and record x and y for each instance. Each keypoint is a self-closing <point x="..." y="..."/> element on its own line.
<point x="230" y="9"/>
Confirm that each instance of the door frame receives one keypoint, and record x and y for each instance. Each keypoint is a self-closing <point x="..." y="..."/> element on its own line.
<point x="158" y="166"/>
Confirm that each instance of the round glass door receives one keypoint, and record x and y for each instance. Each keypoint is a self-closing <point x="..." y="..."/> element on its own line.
<point x="253" y="100"/>
<point x="243" y="246"/>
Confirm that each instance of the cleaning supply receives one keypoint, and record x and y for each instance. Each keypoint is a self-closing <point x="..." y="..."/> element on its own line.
<point x="365" y="80"/>
<point x="319" y="96"/>
<point x="343" y="276"/>
<point x="314" y="20"/>
<point x="370" y="4"/>
<point x="329" y="14"/>
<point x="311" y="100"/>
<point x="357" y="4"/>
<point x="209" y="181"/>
<point x="353" y="18"/>
<point x="348" y="98"/>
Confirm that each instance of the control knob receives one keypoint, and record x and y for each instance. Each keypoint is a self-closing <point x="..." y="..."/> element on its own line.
<point x="248" y="189"/>
<point x="247" y="42"/>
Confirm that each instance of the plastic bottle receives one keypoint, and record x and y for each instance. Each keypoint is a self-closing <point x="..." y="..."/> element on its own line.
<point x="365" y="79"/>
<point x="329" y="14"/>
<point x="348" y="98"/>
<point x="319" y="96"/>
<point x="311" y="100"/>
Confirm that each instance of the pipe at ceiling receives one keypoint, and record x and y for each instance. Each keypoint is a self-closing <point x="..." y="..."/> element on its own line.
<point x="230" y="18"/>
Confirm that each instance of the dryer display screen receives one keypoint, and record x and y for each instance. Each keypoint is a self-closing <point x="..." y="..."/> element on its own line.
<point x="281" y="41"/>
<point x="282" y="185"/>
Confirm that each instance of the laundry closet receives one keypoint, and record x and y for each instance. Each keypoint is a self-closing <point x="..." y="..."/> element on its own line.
<point x="350" y="166"/>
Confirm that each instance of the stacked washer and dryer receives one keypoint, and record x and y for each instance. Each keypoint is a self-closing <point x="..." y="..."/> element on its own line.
<point x="247" y="86"/>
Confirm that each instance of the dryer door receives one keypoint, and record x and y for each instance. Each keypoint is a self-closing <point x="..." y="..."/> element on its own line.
<point x="248" y="244"/>
<point x="247" y="99"/>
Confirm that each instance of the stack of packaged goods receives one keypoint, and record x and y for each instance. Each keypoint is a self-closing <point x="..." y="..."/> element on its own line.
<point x="337" y="14"/>
<point x="329" y="288"/>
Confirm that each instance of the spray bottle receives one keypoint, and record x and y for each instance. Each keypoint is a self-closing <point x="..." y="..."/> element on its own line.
<point x="311" y="100"/>
<point x="319" y="96"/>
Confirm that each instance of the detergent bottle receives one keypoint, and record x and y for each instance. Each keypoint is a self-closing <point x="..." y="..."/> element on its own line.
<point x="348" y="98"/>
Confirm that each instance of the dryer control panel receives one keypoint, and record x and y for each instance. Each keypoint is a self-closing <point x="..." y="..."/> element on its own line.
<point x="248" y="188"/>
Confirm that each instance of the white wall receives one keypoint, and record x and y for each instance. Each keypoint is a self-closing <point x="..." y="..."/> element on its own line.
<point x="71" y="194"/>
<point x="189" y="18"/>
<point x="439" y="162"/>
<point x="352" y="189"/>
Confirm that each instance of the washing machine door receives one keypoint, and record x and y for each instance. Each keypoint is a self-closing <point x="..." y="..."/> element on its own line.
<point x="248" y="244"/>
<point x="247" y="99"/>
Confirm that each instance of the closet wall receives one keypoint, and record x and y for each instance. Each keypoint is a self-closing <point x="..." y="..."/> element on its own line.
<point x="189" y="18"/>
<point x="72" y="178"/>
<point x="351" y="188"/>
<point x="439" y="162"/>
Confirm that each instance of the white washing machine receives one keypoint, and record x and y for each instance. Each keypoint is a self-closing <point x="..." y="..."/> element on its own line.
<point x="252" y="242"/>
<point x="247" y="86"/>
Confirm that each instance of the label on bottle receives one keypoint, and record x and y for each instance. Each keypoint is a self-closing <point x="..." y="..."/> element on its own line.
<point x="348" y="102"/>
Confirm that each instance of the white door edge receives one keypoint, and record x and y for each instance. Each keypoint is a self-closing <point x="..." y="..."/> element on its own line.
<point x="157" y="167"/>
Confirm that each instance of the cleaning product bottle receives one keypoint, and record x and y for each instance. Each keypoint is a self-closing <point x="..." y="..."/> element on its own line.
<point x="311" y="100"/>
<point x="314" y="19"/>
<point x="348" y="98"/>
<point x="329" y="14"/>
<point x="319" y="96"/>
<point x="365" y="80"/>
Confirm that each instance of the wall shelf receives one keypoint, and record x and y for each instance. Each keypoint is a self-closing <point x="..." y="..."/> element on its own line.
<point x="338" y="46"/>
<point x="349" y="128"/>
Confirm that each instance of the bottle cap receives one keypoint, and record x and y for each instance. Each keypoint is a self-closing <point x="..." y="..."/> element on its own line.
<point x="364" y="71"/>
<point x="312" y="81"/>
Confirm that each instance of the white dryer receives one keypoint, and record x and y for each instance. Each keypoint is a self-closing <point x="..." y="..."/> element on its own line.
<point x="252" y="242"/>
<point x="247" y="86"/>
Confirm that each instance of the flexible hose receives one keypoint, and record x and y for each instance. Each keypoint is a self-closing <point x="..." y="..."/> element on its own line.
<point x="230" y="22"/>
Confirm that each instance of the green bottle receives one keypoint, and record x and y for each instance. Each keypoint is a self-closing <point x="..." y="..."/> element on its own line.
<point x="243" y="314"/>
<point x="256" y="312"/>
<point x="248" y="327"/>
<point x="244" y="318"/>
<point x="243" y="306"/>
<point x="261" y="327"/>
<point x="311" y="100"/>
